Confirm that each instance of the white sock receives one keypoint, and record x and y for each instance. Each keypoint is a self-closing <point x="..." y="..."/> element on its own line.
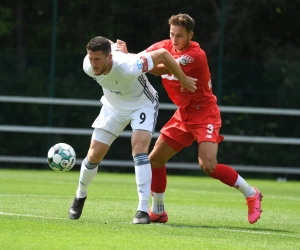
<point x="244" y="187"/>
<point x="158" y="203"/>
<point x="85" y="179"/>
<point x="143" y="176"/>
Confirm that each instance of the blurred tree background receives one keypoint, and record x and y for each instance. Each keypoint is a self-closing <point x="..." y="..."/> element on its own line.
<point x="253" y="49"/>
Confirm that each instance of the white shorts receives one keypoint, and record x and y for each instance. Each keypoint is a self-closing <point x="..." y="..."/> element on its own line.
<point x="115" y="122"/>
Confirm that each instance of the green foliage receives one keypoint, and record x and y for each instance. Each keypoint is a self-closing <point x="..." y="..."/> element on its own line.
<point x="260" y="64"/>
<point x="203" y="214"/>
<point x="7" y="23"/>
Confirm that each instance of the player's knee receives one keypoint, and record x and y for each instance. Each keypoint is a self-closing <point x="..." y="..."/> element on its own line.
<point x="155" y="162"/>
<point x="208" y="166"/>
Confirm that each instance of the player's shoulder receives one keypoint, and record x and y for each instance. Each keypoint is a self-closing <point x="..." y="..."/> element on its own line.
<point x="87" y="68"/>
<point x="196" y="51"/>
<point x="195" y="47"/>
<point x="125" y="64"/>
<point x="121" y="58"/>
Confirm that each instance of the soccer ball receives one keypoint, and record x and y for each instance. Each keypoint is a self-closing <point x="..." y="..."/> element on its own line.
<point x="61" y="157"/>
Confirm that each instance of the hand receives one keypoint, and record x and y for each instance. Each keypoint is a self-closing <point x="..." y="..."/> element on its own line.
<point x="121" y="46"/>
<point x="189" y="83"/>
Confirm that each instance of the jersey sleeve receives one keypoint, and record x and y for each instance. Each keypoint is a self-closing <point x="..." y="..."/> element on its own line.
<point x="145" y="62"/>
<point x="136" y="65"/>
<point x="114" y="47"/>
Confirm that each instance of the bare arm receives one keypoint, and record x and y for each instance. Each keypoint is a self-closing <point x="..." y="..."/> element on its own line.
<point x="163" y="56"/>
<point x="159" y="70"/>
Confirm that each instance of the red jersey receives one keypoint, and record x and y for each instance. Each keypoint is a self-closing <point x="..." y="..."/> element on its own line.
<point x="193" y="62"/>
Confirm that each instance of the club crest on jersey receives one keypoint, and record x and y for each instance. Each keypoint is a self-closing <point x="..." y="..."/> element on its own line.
<point x="185" y="59"/>
<point x="142" y="63"/>
<point x="116" y="82"/>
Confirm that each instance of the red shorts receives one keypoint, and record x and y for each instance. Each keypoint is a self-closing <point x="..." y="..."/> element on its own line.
<point x="187" y="125"/>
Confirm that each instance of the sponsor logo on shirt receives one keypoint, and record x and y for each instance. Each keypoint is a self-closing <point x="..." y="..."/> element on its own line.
<point x="142" y="63"/>
<point x="185" y="59"/>
<point x="116" y="92"/>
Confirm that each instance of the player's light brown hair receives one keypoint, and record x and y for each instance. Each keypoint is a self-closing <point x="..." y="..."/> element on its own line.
<point x="99" y="43"/>
<point x="183" y="20"/>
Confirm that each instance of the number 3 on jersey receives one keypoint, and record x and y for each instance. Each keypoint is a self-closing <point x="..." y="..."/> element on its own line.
<point x="210" y="129"/>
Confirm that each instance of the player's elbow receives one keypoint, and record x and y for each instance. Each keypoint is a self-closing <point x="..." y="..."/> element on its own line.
<point x="162" y="56"/>
<point x="163" y="52"/>
<point x="159" y="56"/>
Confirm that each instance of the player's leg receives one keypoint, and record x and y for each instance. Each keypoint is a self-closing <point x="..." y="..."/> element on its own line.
<point x="172" y="139"/>
<point x="207" y="155"/>
<point x="142" y="122"/>
<point x="107" y="128"/>
<point x="160" y="154"/>
<point x="208" y="138"/>
<point x="89" y="168"/>
<point x="140" y="141"/>
<point x="89" y="165"/>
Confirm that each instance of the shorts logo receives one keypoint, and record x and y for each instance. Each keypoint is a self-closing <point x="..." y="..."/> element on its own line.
<point x="208" y="136"/>
<point x="143" y="64"/>
<point x="185" y="59"/>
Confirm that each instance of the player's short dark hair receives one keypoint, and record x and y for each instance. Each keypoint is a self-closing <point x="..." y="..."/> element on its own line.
<point x="183" y="20"/>
<point x="99" y="43"/>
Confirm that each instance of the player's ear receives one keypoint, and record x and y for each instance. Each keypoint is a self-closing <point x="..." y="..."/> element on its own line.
<point x="191" y="35"/>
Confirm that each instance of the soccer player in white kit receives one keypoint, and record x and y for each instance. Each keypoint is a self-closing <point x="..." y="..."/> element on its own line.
<point x="128" y="98"/>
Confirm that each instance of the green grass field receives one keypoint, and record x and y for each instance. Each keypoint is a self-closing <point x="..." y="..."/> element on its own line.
<point x="203" y="214"/>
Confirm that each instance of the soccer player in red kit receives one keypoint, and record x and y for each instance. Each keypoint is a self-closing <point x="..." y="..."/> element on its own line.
<point x="197" y="118"/>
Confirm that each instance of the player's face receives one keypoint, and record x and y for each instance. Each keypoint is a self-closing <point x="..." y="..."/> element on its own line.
<point x="100" y="63"/>
<point x="180" y="37"/>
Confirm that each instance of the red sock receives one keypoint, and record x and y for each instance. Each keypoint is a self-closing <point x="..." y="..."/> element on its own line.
<point x="225" y="174"/>
<point x="159" y="179"/>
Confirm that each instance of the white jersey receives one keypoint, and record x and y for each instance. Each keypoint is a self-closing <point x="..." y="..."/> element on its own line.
<point x="125" y="87"/>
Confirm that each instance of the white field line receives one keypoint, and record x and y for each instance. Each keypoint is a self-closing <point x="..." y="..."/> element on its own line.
<point x="258" y="232"/>
<point x="31" y="215"/>
<point x="35" y="195"/>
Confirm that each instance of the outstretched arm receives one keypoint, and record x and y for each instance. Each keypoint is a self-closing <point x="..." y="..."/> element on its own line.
<point x="164" y="63"/>
<point x="158" y="70"/>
